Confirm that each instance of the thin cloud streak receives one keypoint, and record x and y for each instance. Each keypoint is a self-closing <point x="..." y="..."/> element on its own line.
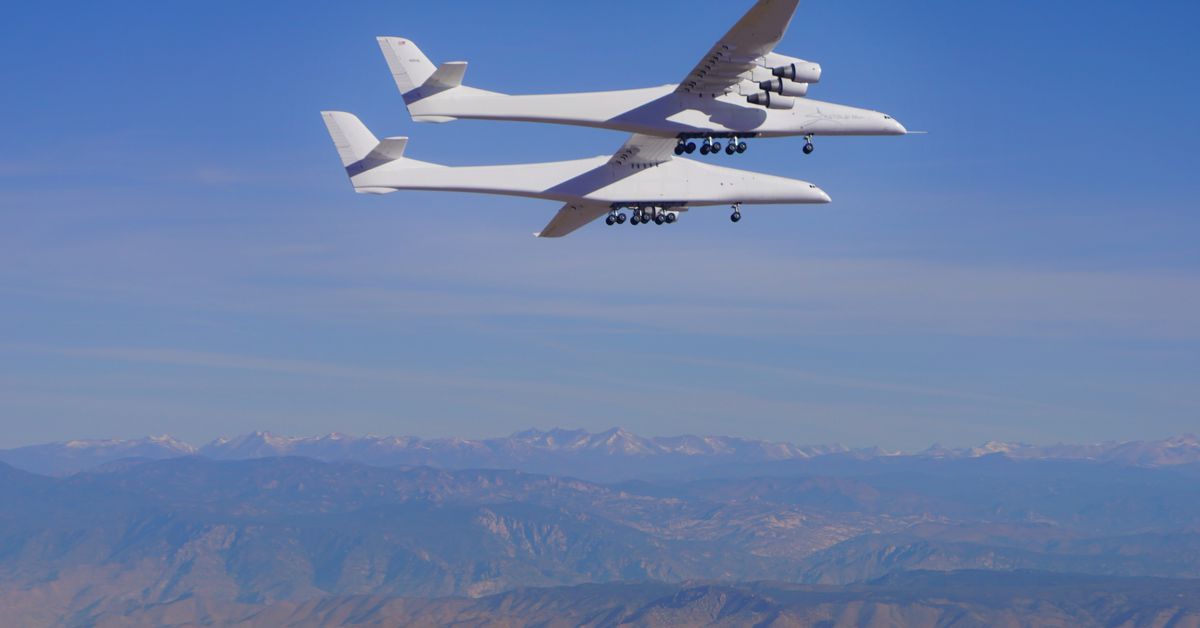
<point x="771" y="292"/>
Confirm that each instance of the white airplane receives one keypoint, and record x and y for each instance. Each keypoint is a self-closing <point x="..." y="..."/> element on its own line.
<point x="644" y="176"/>
<point x="741" y="89"/>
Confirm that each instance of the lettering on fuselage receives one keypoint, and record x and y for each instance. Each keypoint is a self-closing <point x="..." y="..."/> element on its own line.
<point x="821" y="115"/>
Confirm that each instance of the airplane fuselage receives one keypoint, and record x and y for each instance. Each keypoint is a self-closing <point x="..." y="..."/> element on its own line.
<point x="661" y="112"/>
<point x="674" y="183"/>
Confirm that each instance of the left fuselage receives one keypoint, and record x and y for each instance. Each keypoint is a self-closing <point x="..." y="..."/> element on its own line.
<point x="676" y="182"/>
<point x="662" y="112"/>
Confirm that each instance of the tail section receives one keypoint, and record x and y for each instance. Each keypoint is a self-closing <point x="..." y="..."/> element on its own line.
<point x="418" y="79"/>
<point x="361" y="151"/>
<point x="353" y="140"/>
<point x="410" y="67"/>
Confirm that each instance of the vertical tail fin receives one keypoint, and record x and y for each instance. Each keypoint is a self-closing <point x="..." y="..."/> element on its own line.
<point x="353" y="140"/>
<point x="410" y="67"/>
<point x="361" y="151"/>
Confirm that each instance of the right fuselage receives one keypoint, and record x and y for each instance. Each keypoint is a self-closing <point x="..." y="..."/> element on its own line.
<point x="662" y="112"/>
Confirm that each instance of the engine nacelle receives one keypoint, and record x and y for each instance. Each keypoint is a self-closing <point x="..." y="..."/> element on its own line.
<point x="802" y="72"/>
<point x="771" y="101"/>
<point x="791" y="68"/>
<point x="784" y="87"/>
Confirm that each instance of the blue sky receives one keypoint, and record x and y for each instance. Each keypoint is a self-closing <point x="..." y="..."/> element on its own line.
<point x="182" y="254"/>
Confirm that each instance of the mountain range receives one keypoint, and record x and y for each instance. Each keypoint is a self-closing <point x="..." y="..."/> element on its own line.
<point x="269" y="530"/>
<point x="575" y="453"/>
<point x="917" y="600"/>
<point x="285" y="532"/>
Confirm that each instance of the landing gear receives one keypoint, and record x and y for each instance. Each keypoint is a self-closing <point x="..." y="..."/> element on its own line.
<point x="737" y="214"/>
<point x="735" y="146"/>
<point x="643" y="216"/>
<point x="808" y="145"/>
<point x="711" y="146"/>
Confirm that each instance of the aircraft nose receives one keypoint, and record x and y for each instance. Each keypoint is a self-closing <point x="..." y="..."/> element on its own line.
<point x="893" y="126"/>
<point x="819" y="195"/>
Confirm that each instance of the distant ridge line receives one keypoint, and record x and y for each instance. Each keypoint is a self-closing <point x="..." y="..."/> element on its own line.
<point x="547" y="450"/>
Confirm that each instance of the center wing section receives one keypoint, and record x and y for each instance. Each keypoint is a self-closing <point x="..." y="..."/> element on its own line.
<point x="642" y="151"/>
<point x="754" y="36"/>
<point x="639" y="153"/>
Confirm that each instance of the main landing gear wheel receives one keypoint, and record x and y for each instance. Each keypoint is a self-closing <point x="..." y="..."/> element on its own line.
<point x="705" y="149"/>
<point x="680" y="149"/>
<point x="731" y="149"/>
<point x="716" y="148"/>
<point x="691" y="148"/>
<point x="611" y="220"/>
<point x="620" y="219"/>
<point x="659" y="219"/>
<point x="741" y="147"/>
<point x="671" y="218"/>
<point x="736" y="217"/>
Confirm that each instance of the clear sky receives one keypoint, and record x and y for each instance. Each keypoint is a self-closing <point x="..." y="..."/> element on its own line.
<point x="181" y="253"/>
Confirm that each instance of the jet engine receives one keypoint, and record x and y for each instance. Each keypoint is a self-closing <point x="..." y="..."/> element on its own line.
<point x="792" y="69"/>
<point x="771" y="101"/>
<point x="804" y="72"/>
<point x="784" y="87"/>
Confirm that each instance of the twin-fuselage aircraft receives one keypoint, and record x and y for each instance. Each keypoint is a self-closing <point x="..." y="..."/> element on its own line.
<point x="741" y="90"/>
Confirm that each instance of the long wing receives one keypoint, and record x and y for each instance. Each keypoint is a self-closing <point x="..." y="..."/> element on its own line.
<point x="754" y="36"/>
<point x="572" y="217"/>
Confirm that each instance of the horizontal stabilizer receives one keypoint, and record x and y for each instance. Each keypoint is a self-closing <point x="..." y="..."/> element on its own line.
<point x="448" y="76"/>
<point x="389" y="149"/>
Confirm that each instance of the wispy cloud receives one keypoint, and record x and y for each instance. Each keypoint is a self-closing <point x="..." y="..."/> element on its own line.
<point x="691" y="288"/>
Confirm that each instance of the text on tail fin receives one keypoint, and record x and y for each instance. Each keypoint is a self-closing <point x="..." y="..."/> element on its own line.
<point x="410" y="67"/>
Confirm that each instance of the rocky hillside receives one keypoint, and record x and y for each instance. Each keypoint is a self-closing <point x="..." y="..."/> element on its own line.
<point x="281" y="532"/>
<point x="918" y="600"/>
